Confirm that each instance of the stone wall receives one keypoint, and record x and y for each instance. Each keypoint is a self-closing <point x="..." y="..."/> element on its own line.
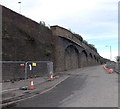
<point x="26" y="40"/>
<point x="70" y="52"/>
<point x="62" y="32"/>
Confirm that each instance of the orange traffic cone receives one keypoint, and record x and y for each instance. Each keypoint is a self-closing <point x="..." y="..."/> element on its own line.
<point x="110" y="70"/>
<point x="51" y="76"/>
<point x="31" y="84"/>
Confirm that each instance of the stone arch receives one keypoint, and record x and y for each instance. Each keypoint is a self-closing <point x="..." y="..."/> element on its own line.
<point x="91" y="55"/>
<point x="95" y="57"/>
<point x="95" y="60"/>
<point x="90" y="59"/>
<point x="98" y="60"/>
<point x="71" y="57"/>
<point x="83" y="59"/>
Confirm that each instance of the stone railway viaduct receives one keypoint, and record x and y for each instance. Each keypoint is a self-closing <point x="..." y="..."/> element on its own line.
<point x="24" y="39"/>
<point x="71" y="51"/>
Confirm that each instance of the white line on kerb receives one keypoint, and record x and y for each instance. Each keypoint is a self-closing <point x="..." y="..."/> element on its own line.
<point x="9" y="90"/>
<point x="34" y="95"/>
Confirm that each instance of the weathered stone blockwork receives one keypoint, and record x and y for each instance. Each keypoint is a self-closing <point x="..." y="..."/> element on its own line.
<point x="24" y="39"/>
<point x="70" y="52"/>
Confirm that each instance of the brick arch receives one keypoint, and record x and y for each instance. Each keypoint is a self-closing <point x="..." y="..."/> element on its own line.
<point x="90" y="59"/>
<point x="85" y="52"/>
<point x="95" y="60"/>
<point x="95" y="57"/>
<point x="71" y="57"/>
<point x="74" y="45"/>
<point x="91" y="55"/>
<point x="83" y="60"/>
<point x="98" y="60"/>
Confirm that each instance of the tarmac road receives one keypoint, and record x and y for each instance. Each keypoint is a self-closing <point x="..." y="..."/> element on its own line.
<point x="91" y="87"/>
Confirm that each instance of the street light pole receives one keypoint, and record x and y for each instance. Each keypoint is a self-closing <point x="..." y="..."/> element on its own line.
<point x="20" y="7"/>
<point x="110" y="52"/>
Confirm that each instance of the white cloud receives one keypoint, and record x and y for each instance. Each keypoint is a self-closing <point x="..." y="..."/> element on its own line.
<point x="56" y="9"/>
<point x="100" y="37"/>
<point x="93" y="19"/>
<point x="106" y="54"/>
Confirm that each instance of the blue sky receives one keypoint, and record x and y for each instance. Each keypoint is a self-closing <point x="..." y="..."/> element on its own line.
<point x="95" y="20"/>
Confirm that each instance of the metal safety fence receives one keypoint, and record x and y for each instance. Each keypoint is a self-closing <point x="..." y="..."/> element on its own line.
<point x="12" y="70"/>
<point x="117" y="68"/>
<point x="20" y="70"/>
<point x="38" y="68"/>
<point x="113" y="65"/>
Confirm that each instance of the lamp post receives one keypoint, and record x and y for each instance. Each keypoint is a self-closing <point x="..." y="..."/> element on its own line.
<point x="19" y="7"/>
<point x="110" y="51"/>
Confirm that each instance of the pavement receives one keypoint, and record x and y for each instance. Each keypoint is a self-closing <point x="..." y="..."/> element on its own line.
<point x="99" y="89"/>
<point x="16" y="91"/>
<point x="89" y="87"/>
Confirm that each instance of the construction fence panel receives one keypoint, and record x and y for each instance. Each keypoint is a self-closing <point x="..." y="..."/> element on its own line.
<point x="117" y="69"/>
<point x="50" y="67"/>
<point x="13" y="70"/>
<point x="19" y="70"/>
<point x="39" y="68"/>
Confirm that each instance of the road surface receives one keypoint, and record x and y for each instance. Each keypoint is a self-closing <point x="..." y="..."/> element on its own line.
<point x="91" y="87"/>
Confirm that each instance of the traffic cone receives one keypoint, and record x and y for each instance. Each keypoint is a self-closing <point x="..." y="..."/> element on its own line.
<point x="110" y="70"/>
<point x="104" y="66"/>
<point x="32" y="84"/>
<point x="51" y="76"/>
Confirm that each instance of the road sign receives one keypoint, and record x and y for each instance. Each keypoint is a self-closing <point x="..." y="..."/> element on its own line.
<point x="33" y="64"/>
<point x="22" y="64"/>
